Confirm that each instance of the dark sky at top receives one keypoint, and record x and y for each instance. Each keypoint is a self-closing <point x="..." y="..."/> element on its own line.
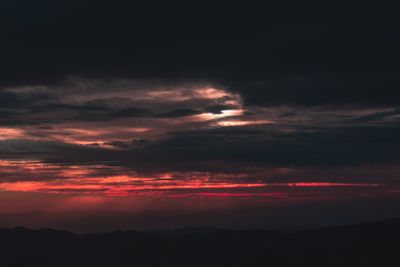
<point x="273" y="54"/>
<point x="250" y="102"/>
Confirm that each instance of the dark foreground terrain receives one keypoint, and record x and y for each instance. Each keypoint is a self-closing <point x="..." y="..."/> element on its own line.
<point x="369" y="244"/>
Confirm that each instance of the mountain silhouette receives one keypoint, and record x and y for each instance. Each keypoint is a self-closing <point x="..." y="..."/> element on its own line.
<point x="367" y="244"/>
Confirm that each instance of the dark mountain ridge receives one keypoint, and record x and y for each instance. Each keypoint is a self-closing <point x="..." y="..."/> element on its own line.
<point x="368" y="244"/>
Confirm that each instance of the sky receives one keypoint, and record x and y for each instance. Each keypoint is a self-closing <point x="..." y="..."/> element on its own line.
<point x="162" y="114"/>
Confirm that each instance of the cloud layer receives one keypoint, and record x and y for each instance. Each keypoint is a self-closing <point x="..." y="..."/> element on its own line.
<point x="215" y="99"/>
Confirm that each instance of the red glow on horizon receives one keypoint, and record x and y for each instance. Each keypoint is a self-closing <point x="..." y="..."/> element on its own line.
<point x="116" y="181"/>
<point x="329" y="184"/>
<point x="227" y="195"/>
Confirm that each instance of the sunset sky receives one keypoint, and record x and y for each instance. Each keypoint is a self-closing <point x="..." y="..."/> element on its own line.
<point x="218" y="113"/>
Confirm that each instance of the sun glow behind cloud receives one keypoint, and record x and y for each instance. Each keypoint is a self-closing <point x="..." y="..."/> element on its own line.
<point x="92" y="115"/>
<point x="233" y="123"/>
<point x="223" y="114"/>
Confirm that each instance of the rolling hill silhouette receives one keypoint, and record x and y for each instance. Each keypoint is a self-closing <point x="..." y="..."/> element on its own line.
<point x="368" y="244"/>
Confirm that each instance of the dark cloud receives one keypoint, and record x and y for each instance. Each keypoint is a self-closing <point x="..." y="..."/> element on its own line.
<point x="332" y="146"/>
<point x="376" y="117"/>
<point x="179" y="113"/>
<point x="196" y="150"/>
<point x="287" y="114"/>
<point x="272" y="54"/>
<point x="22" y="108"/>
<point x="132" y="112"/>
<point x="127" y="145"/>
<point x="13" y="105"/>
